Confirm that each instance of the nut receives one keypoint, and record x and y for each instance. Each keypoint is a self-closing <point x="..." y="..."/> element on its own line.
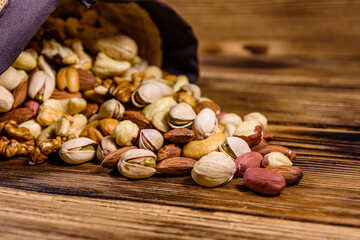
<point x="229" y="130"/>
<point x="292" y="174"/>
<point x="181" y="80"/>
<point x="184" y="97"/>
<point x="119" y="47"/>
<point x="151" y="139"/>
<point x="19" y="94"/>
<point x="153" y="72"/>
<point x="246" y="161"/>
<point x="91" y="109"/>
<point x="77" y="150"/>
<point x="200" y="148"/>
<point x="168" y="151"/>
<point x="181" y="115"/>
<point x="92" y="96"/>
<point x="91" y="131"/>
<point x="33" y="126"/>
<point x="41" y="86"/>
<point x="58" y="128"/>
<point x="87" y="80"/>
<point x="107" y="126"/>
<point x="52" y="48"/>
<point x="105" y="147"/>
<point x="105" y="66"/>
<point x="137" y="163"/>
<point x="250" y="131"/>
<point x="6" y="100"/>
<point x="57" y="94"/>
<point x="256" y="116"/>
<point x="112" y="159"/>
<point x="138" y="118"/>
<point x="78" y="123"/>
<point x="193" y="90"/>
<point x="266" y="149"/>
<point x="10" y="79"/>
<point x="85" y="61"/>
<point x="48" y="115"/>
<point x="230" y="118"/>
<point x="264" y="181"/>
<point x="267" y="134"/>
<point x="275" y="159"/>
<point x="163" y="104"/>
<point x="66" y="106"/>
<point x="126" y="133"/>
<point x="234" y="147"/>
<point x="33" y="105"/>
<point x="180" y="135"/>
<point x="207" y="104"/>
<point x="159" y="121"/>
<point x="213" y="170"/>
<point x="26" y="61"/>
<point x="19" y="115"/>
<point x="176" y="166"/>
<point x="111" y="109"/>
<point x="68" y="77"/>
<point x="146" y="94"/>
<point x="205" y="124"/>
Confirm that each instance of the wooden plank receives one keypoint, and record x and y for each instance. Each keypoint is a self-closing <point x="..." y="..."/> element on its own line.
<point x="27" y="215"/>
<point x="307" y="28"/>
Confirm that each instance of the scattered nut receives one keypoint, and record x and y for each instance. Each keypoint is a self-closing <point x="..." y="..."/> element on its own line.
<point x="292" y="174"/>
<point x="176" y="166"/>
<point x="266" y="149"/>
<point x="250" y="131"/>
<point x="246" y="161"/>
<point x="275" y="159"/>
<point x="264" y="181"/>
<point x="180" y="135"/>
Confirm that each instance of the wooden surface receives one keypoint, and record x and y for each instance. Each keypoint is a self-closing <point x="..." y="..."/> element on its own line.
<point x="313" y="107"/>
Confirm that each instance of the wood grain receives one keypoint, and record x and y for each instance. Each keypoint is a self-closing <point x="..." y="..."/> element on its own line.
<point x="312" y="106"/>
<point x="307" y="28"/>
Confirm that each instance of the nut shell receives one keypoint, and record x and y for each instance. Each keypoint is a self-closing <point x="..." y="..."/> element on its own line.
<point x="133" y="170"/>
<point x="151" y="139"/>
<point x="250" y="131"/>
<point x="234" y="147"/>
<point x="205" y="124"/>
<point x="78" y="156"/>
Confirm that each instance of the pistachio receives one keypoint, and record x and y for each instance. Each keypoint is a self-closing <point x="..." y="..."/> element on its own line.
<point x="151" y="139"/>
<point x="256" y="116"/>
<point x="205" y="124"/>
<point x="45" y="66"/>
<point x="193" y="90"/>
<point x="26" y="60"/>
<point x="77" y="150"/>
<point x="229" y="130"/>
<point x="126" y="133"/>
<point x="181" y="80"/>
<point x="105" y="66"/>
<point x="41" y="86"/>
<point x="33" y="126"/>
<point x="213" y="170"/>
<point x="111" y="109"/>
<point x="137" y="164"/>
<point x="200" y="148"/>
<point x="234" y="147"/>
<point x="163" y="104"/>
<point x="10" y="79"/>
<point x="119" y="47"/>
<point x="181" y="115"/>
<point x="153" y="72"/>
<point x="6" y="100"/>
<point x="146" y="94"/>
<point x="275" y="159"/>
<point x="105" y="147"/>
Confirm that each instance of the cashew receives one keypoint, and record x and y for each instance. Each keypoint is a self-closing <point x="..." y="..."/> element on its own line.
<point x="78" y="124"/>
<point x="33" y="126"/>
<point x="53" y="48"/>
<point x="85" y="60"/>
<point x="26" y="60"/>
<point x="197" y="149"/>
<point x="58" y="128"/>
<point x="10" y="79"/>
<point x="105" y="66"/>
<point x="69" y="106"/>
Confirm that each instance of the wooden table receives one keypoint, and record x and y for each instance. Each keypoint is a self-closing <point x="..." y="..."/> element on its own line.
<point x="313" y="107"/>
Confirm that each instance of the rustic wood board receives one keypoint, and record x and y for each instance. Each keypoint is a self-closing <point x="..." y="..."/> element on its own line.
<point x="313" y="108"/>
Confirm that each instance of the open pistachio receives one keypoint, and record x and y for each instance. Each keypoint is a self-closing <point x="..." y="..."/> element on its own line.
<point x="41" y="86"/>
<point x="105" y="66"/>
<point x="126" y="133"/>
<point x="163" y="104"/>
<point x="151" y="139"/>
<point x="105" y="147"/>
<point x="146" y="94"/>
<point x="44" y="65"/>
<point x="193" y="90"/>
<point x="111" y="109"/>
<point x="234" y="147"/>
<point x="77" y="150"/>
<point x="6" y="100"/>
<point x="213" y="170"/>
<point x="205" y="124"/>
<point x="33" y="126"/>
<point x="137" y="164"/>
<point x="10" y="79"/>
<point x="181" y="115"/>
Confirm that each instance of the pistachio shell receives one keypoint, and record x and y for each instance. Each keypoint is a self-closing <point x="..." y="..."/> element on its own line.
<point x="39" y="80"/>
<point x="153" y="72"/>
<point x="181" y="115"/>
<point x="205" y="124"/>
<point x="111" y="109"/>
<point x="213" y="170"/>
<point x="77" y="156"/>
<point x="133" y="170"/>
<point x="105" y="147"/>
<point x="146" y="94"/>
<point x="151" y="139"/>
<point x="234" y="147"/>
<point x="193" y="90"/>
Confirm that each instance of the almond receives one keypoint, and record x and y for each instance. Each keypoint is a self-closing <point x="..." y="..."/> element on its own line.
<point x="20" y="93"/>
<point x="91" y="109"/>
<point x="265" y="149"/>
<point x="63" y="94"/>
<point x="246" y="161"/>
<point x="19" y="115"/>
<point x="138" y="118"/>
<point x="207" y="104"/>
<point x="86" y="80"/>
<point x="112" y="159"/>
<point x="168" y="151"/>
<point x="264" y="181"/>
<point x="180" y="135"/>
<point x="291" y="174"/>
<point x="176" y="166"/>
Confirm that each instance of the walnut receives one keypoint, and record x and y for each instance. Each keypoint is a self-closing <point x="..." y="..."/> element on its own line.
<point x="121" y="88"/>
<point x="46" y="147"/>
<point x="15" y="140"/>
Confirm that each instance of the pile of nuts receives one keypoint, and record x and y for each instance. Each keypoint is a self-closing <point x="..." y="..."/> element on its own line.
<point x="105" y="102"/>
